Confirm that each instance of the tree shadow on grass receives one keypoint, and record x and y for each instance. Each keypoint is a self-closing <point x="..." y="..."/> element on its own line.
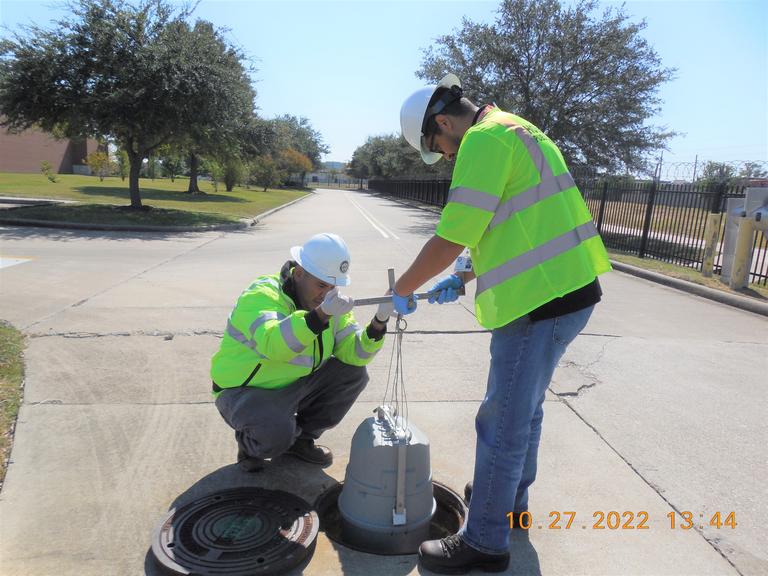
<point x="158" y="194"/>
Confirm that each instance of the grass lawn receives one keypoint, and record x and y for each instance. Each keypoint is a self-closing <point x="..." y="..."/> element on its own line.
<point x="689" y="274"/>
<point x="11" y="375"/>
<point x="170" y="197"/>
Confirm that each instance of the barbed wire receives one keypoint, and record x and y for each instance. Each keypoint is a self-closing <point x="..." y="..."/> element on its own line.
<point x="745" y="171"/>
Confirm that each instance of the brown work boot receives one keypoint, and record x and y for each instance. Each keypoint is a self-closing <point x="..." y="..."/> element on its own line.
<point x="249" y="463"/>
<point x="452" y="555"/>
<point x="305" y="449"/>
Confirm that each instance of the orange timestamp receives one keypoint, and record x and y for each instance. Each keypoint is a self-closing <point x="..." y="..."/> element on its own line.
<point x="618" y="520"/>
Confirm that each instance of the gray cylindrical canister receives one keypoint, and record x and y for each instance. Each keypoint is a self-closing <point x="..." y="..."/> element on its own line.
<point x="368" y="500"/>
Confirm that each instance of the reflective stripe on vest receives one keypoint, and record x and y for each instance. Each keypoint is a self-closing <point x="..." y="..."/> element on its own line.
<point x="346" y="331"/>
<point x="359" y="347"/>
<point x="549" y="185"/>
<point x="286" y="331"/>
<point x="266" y="316"/>
<point x="538" y="255"/>
<point x="305" y="361"/>
<point x="473" y="198"/>
<point x="233" y="332"/>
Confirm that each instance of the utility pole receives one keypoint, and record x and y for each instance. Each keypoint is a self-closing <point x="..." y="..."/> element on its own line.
<point x="695" y="165"/>
<point x="658" y="167"/>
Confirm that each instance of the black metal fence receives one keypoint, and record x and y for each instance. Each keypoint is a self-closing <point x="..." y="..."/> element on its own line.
<point x="648" y="219"/>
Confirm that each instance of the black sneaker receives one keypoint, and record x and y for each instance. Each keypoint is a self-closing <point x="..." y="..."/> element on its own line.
<point x="452" y="555"/>
<point x="515" y="515"/>
<point x="248" y="463"/>
<point x="305" y="449"/>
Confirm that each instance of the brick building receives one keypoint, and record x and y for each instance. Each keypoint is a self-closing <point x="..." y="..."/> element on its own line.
<point x="24" y="152"/>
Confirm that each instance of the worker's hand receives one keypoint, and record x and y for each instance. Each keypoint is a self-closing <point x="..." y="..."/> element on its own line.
<point x="404" y="304"/>
<point x="336" y="304"/>
<point x="385" y="311"/>
<point x="446" y="290"/>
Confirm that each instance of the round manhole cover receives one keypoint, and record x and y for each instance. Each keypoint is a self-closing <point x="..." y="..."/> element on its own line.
<point x="237" y="532"/>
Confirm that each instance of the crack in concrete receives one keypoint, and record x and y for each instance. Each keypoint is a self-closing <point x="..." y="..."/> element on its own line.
<point x="149" y="333"/>
<point x="713" y="541"/>
<point x="585" y="371"/>
<point x="216" y="333"/>
<point x="576" y="393"/>
<point x="54" y="402"/>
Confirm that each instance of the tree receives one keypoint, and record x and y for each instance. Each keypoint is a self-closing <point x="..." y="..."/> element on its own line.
<point x="590" y="82"/>
<point x="123" y="163"/>
<point x="298" y="134"/>
<point x="234" y="172"/>
<point x="265" y="172"/>
<point x="391" y="156"/>
<point x="222" y="121"/>
<point x="753" y="170"/>
<point x="139" y="75"/>
<point x="292" y="162"/>
<point x="172" y="161"/>
<point x="717" y="173"/>
<point x="99" y="163"/>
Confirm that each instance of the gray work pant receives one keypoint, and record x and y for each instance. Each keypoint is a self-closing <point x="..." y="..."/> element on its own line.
<point x="267" y="422"/>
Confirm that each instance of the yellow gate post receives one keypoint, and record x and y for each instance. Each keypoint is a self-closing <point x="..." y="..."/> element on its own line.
<point x="742" y="255"/>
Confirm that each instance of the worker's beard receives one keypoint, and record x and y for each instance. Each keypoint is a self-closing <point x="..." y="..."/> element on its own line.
<point x="303" y="299"/>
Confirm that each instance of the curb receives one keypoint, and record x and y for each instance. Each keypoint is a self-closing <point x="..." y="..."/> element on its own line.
<point x="243" y="224"/>
<point x="263" y="215"/>
<point x="742" y="302"/>
<point x="33" y="201"/>
<point x="118" y="227"/>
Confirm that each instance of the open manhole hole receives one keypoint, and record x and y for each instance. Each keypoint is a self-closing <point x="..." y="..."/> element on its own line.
<point x="238" y="532"/>
<point x="449" y="516"/>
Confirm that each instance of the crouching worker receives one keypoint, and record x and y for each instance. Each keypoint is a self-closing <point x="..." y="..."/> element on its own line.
<point x="292" y="360"/>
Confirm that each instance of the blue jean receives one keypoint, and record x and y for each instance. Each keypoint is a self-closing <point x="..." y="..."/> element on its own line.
<point x="524" y="355"/>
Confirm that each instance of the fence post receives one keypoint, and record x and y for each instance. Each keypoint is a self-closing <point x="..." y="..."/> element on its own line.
<point x="717" y="198"/>
<point x="601" y="210"/>
<point x="647" y="221"/>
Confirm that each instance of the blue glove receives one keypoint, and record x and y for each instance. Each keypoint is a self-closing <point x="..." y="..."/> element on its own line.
<point x="446" y="290"/>
<point x="401" y="303"/>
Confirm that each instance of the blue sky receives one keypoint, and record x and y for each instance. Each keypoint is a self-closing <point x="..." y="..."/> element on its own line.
<point x="347" y="66"/>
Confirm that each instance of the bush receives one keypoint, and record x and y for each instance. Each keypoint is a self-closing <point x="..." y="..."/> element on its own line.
<point x="47" y="169"/>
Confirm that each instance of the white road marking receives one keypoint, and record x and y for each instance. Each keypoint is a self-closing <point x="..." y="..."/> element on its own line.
<point x="6" y="262"/>
<point x="383" y="230"/>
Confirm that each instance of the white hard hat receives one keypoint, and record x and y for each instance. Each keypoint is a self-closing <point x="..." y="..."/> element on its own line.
<point x="414" y="112"/>
<point x="326" y="257"/>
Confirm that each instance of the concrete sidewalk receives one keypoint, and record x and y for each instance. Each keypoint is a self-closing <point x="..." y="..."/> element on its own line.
<point x="657" y="407"/>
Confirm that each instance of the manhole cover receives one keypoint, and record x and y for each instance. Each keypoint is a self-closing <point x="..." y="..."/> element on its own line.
<point x="237" y="532"/>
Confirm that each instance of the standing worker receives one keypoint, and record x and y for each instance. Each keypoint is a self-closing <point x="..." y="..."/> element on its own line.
<point x="536" y="255"/>
<point x="292" y="360"/>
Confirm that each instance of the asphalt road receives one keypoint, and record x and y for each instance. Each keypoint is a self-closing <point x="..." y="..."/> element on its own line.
<point x="659" y="406"/>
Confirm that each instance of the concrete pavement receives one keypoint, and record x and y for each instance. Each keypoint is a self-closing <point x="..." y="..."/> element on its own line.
<point x="657" y="407"/>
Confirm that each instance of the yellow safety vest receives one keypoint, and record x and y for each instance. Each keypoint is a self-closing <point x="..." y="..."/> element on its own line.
<point x="267" y="343"/>
<point x="514" y="204"/>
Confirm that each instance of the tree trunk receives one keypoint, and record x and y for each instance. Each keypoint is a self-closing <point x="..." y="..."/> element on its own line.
<point x="134" y="160"/>
<point x="194" y="164"/>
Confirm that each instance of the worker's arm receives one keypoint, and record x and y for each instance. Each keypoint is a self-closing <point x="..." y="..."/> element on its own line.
<point x="436" y="255"/>
<point x="355" y="345"/>
<point x="263" y="323"/>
